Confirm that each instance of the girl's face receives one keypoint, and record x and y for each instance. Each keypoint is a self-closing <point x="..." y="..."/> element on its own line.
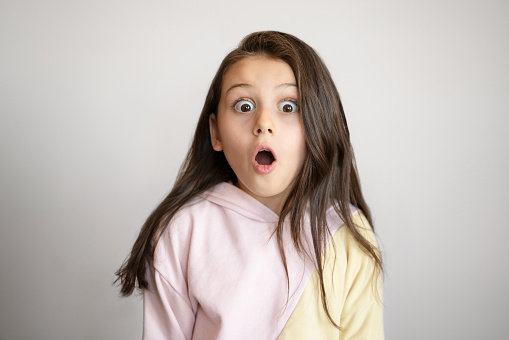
<point x="259" y="128"/>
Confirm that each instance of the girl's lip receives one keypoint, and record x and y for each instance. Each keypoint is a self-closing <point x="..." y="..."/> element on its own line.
<point x="263" y="169"/>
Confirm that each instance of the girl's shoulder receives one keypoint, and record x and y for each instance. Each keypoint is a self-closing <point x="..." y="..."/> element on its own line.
<point x="344" y="235"/>
<point x="345" y="244"/>
<point x="222" y="207"/>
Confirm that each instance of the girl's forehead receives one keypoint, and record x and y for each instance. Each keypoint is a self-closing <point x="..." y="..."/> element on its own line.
<point x="256" y="69"/>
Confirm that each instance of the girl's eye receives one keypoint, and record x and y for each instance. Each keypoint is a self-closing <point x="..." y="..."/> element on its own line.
<point x="243" y="106"/>
<point x="288" y="106"/>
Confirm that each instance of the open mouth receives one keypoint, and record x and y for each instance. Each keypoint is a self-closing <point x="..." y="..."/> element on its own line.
<point x="264" y="157"/>
<point x="264" y="160"/>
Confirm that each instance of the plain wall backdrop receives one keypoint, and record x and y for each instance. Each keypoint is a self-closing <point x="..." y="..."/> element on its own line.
<point x="98" y="104"/>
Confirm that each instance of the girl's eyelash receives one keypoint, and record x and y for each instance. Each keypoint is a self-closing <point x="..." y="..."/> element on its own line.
<point x="236" y="101"/>
<point x="290" y="100"/>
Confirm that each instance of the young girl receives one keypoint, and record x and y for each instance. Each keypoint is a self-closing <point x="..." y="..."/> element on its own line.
<point x="266" y="234"/>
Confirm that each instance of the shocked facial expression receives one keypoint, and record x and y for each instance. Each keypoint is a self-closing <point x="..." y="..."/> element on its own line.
<point x="259" y="128"/>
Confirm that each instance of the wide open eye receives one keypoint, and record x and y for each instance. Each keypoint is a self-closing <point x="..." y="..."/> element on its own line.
<point x="243" y="106"/>
<point x="288" y="106"/>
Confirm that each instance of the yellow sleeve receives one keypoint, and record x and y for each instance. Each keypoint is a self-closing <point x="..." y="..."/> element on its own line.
<point x="354" y="294"/>
<point x="362" y="312"/>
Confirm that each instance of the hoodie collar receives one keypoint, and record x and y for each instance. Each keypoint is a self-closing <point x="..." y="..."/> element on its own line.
<point x="229" y="196"/>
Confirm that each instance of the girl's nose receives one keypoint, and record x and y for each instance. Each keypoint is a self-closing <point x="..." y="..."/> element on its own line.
<point x="264" y="123"/>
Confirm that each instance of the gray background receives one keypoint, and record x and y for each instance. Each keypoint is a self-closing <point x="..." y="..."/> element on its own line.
<point x="99" y="99"/>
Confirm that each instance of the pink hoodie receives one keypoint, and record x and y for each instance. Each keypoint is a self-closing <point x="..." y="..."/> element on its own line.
<point x="219" y="274"/>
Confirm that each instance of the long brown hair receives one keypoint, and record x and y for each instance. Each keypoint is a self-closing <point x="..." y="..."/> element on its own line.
<point x="328" y="175"/>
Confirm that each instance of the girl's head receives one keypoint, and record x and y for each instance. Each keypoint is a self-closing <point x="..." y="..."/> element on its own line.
<point x="271" y="80"/>
<point x="309" y="85"/>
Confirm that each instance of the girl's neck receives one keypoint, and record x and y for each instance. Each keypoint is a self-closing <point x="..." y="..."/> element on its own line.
<point x="274" y="203"/>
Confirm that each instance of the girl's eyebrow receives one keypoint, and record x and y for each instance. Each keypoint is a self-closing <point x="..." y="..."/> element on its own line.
<point x="237" y="85"/>
<point x="249" y="85"/>
<point x="286" y="85"/>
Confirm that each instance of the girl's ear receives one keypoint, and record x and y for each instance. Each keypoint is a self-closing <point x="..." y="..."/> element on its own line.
<point x="215" y="138"/>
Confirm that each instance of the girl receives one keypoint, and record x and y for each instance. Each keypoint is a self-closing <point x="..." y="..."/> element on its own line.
<point x="266" y="233"/>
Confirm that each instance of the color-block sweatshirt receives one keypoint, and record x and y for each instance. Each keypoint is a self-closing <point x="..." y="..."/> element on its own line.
<point x="218" y="274"/>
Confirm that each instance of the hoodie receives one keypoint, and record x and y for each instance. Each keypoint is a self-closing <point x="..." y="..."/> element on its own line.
<point x="218" y="274"/>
